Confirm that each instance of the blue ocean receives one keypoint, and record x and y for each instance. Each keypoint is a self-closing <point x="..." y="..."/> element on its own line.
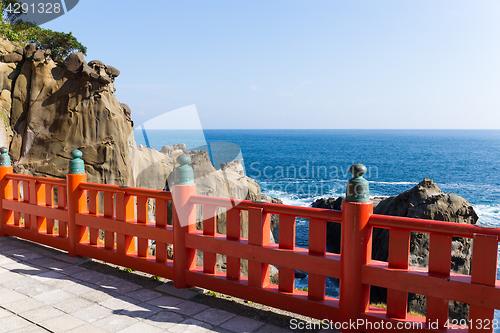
<point x="299" y="166"/>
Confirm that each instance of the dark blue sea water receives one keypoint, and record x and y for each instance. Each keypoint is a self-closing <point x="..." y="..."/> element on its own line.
<point x="299" y="166"/>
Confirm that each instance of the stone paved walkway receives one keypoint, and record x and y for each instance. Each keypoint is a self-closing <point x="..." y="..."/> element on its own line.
<point x="44" y="290"/>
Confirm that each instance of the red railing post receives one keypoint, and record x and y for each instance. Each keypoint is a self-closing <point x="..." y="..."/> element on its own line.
<point x="356" y="249"/>
<point x="184" y="220"/>
<point x="77" y="201"/>
<point x="6" y="216"/>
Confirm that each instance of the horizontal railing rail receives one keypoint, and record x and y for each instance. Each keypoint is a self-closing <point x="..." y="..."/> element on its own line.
<point x="117" y="224"/>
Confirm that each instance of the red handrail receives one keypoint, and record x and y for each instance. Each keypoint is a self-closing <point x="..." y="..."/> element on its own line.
<point x="354" y="267"/>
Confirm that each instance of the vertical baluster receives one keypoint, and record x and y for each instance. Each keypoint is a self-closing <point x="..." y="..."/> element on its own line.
<point x="233" y="232"/>
<point x="287" y="242"/>
<point x="77" y="202"/>
<point x="439" y="264"/>
<point x="16" y="197"/>
<point x="209" y="229"/>
<point x="93" y="204"/>
<point x="49" y="201"/>
<point x="61" y="204"/>
<point x="317" y="247"/>
<point x="6" y="216"/>
<point x="37" y="197"/>
<point x="259" y="232"/>
<point x="142" y="218"/>
<point x="356" y="247"/>
<point x="161" y="222"/>
<point x="124" y="212"/>
<point x="399" y="253"/>
<point x="184" y="220"/>
<point x="26" y="199"/>
<point x="484" y="271"/>
<point x="109" y="236"/>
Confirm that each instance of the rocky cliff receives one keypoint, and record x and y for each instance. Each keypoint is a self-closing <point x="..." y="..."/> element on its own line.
<point x="50" y="108"/>
<point x="425" y="201"/>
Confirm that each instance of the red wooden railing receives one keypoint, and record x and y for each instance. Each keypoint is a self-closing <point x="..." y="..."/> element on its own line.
<point x="31" y="216"/>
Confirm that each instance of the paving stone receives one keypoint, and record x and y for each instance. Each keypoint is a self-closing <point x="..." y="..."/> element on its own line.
<point x="190" y="325"/>
<point x="28" y="256"/>
<point x="141" y="310"/>
<point x="6" y="261"/>
<point x="71" y="270"/>
<point x="214" y="316"/>
<point x="88" y="328"/>
<point x="13" y="322"/>
<point x="20" y="283"/>
<point x="79" y="288"/>
<point x="4" y="277"/>
<point x="96" y="296"/>
<point x="125" y="287"/>
<point x="55" y="265"/>
<point x="62" y="323"/>
<point x="107" y="281"/>
<point x="169" y="289"/>
<point x="7" y="248"/>
<point x="71" y="260"/>
<point x="42" y="313"/>
<point x="11" y="296"/>
<point x="73" y="304"/>
<point x="35" y="289"/>
<point x="164" y="319"/>
<point x="188" y="308"/>
<point x="93" y="313"/>
<point x="241" y="324"/>
<point x="143" y="295"/>
<point x="268" y="328"/>
<point x="55" y="279"/>
<point x="88" y="275"/>
<point x="30" y="329"/>
<point x="54" y="296"/>
<point x="43" y="261"/>
<point x="23" y="305"/>
<point x="114" y="323"/>
<point x="119" y="303"/>
<point x="14" y="251"/>
<point x="22" y="268"/>
<point x="46" y="276"/>
<point x="165" y="301"/>
<point x="4" y="313"/>
<point x="141" y="327"/>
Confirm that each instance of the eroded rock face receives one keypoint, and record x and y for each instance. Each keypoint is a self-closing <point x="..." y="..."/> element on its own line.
<point x="50" y="108"/>
<point x="56" y="109"/>
<point x="424" y="201"/>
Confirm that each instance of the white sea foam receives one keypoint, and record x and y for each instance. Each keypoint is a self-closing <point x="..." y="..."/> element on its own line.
<point x="392" y="183"/>
<point x="488" y="214"/>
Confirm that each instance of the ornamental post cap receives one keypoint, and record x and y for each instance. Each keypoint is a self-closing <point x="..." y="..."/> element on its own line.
<point x="357" y="170"/>
<point x="183" y="174"/>
<point x="76" y="165"/>
<point x="4" y="157"/>
<point x="357" y="187"/>
<point x="183" y="159"/>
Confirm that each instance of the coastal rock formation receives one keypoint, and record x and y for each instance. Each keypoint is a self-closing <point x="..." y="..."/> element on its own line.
<point x="50" y="108"/>
<point x="425" y="201"/>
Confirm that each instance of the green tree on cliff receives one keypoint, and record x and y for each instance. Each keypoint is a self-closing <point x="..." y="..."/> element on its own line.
<point x="61" y="44"/>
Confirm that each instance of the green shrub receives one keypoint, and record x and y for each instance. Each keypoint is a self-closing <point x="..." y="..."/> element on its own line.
<point x="61" y="44"/>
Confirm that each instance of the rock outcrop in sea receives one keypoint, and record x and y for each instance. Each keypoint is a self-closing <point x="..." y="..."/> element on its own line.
<point x="424" y="201"/>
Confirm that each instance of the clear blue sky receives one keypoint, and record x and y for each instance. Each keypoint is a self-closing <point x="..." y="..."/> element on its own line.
<point x="301" y="64"/>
